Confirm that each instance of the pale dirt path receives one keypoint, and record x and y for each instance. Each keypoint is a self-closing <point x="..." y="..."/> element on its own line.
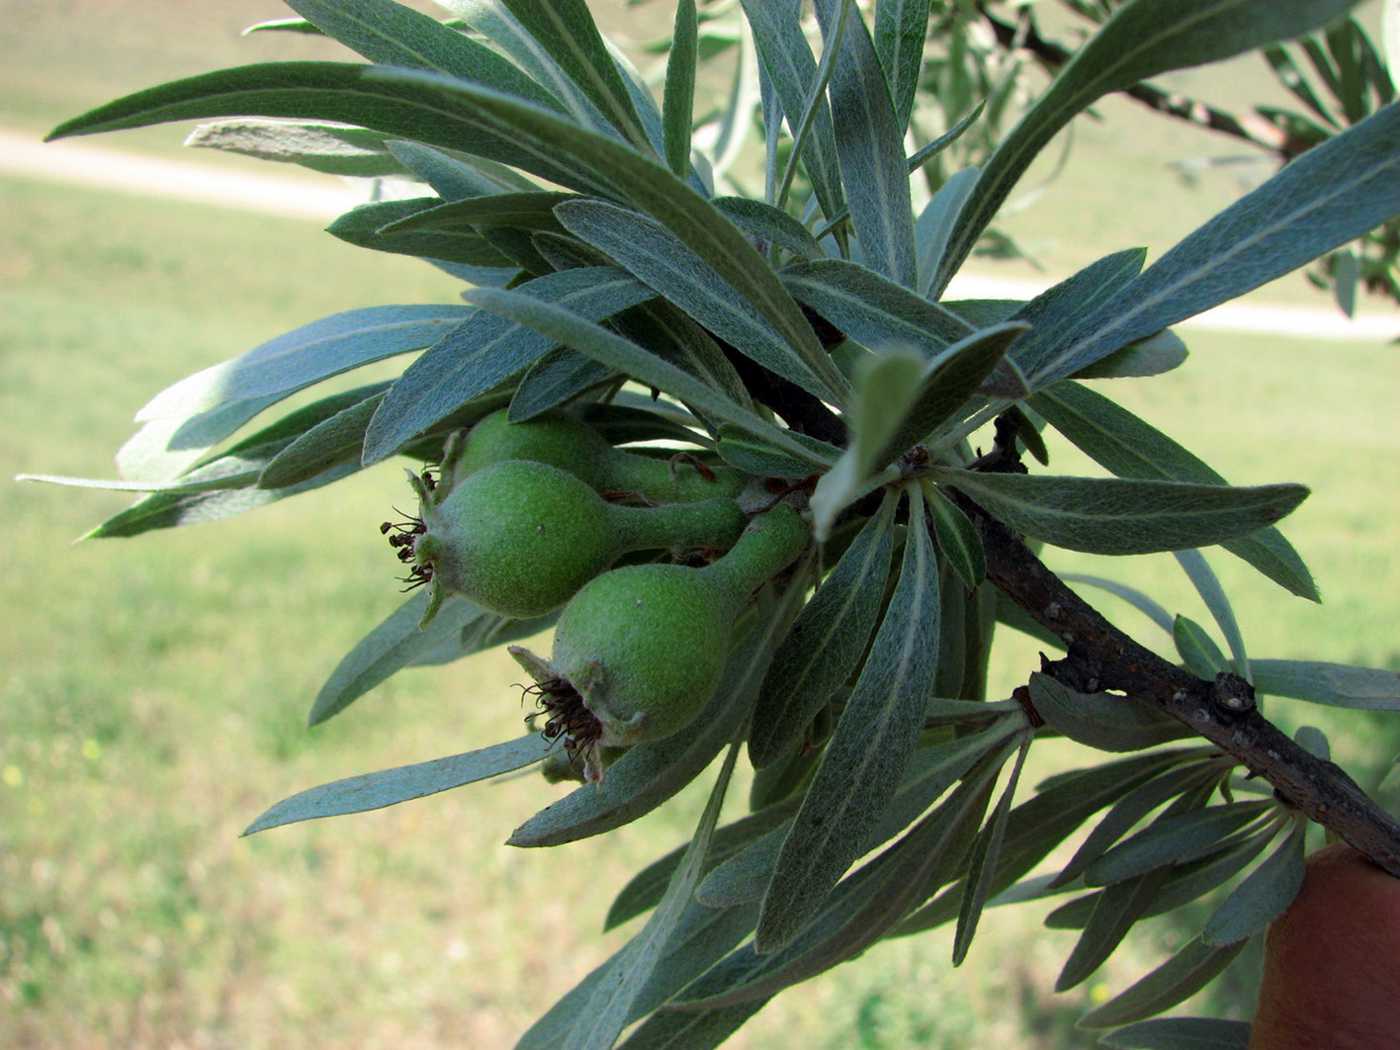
<point x="323" y="199"/>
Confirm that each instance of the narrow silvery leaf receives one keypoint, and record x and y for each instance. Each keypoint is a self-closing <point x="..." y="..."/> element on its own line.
<point x="757" y="457"/>
<point x="1346" y="272"/>
<point x="1263" y="896"/>
<point x="566" y="31"/>
<point x="349" y="92"/>
<point x="1207" y="585"/>
<point x="1332" y="194"/>
<point x="1064" y="309"/>
<point x="667" y="331"/>
<point x="487" y="351"/>
<point x="1186" y="883"/>
<point x="815" y="103"/>
<point x="455" y="177"/>
<point x="1173" y="839"/>
<point x="1141" y="40"/>
<point x="307" y="355"/>
<point x="870" y="150"/>
<point x="949" y="382"/>
<point x="737" y="111"/>
<point x="1180" y="977"/>
<point x="767" y="224"/>
<point x="395" y="35"/>
<point x="1198" y="650"/>
<point x="645" y="888"/>
<point x="679" y="99"/>
<point x="900" y="28"/>
<point x="658" y="258"/>
<point x="1153" y="356"/>
<point x="742" y="878"/>
<point x="1134" y="597"/>
<point x="398" y="643"/>
<point x="1102" y="720"/>
<point x="1129" y="447"/>
<point x="1314" y="740"/>
<point x="332" y="441"/>
<point x="985" y="853"/>
<point x="957" y="538"/>
<point x="788" y="62"/>
<point x="885" y="388"/>
<point x="1041" y="823"/>
<point x="873" y="310"/>
<point x="1129" y="810"/>
<point x="531" y="210"/>
<point x="1181" y="1033"/>
<point x="555" y="379"/>
<point x="864" y="906"/>
<point x="392" y="786"/>
<point x="935" y="224"/>
<point x="564" y="326"/>
<point x="826" y="641"/>
<point x="609" y="1009"/>
<point x="1121" y="515"/>
<point x="1118" y="908"/>
<point x="328" y="148"/>
<point x="364" y="227"/>
<point x="650" y="773"/>
<point x="868" y="750"/>
<point x="1339" y="685"/>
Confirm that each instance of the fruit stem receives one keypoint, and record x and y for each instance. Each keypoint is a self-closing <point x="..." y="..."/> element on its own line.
<point x="771" y="543"/>
<point x="713" y="523"/>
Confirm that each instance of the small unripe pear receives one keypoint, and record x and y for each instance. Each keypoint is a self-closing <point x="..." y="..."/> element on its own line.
<point x="639" y="651"/>
<point x="521" y="537"/>
<point x="573" y="446"/>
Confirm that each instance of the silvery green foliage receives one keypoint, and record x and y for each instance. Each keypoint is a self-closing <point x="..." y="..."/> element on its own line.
<point x="599" y="251"/>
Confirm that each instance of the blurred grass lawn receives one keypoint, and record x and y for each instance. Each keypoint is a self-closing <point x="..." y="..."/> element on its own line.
<point x="156" y="689"/>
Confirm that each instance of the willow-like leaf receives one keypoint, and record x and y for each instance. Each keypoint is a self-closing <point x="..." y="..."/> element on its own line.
<point x="869" y="748"/>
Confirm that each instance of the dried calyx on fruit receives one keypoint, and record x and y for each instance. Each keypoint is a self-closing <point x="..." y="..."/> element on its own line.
<point x="574" y="446"/>
<point x="639" y="651"/>
<point x="519" y="537"/>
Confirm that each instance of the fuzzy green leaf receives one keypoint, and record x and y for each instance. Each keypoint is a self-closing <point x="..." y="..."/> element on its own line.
<point x="1198" y="570"/>
<point x="330" y="442"/>
<point x="659" y="259"/>
<point x="1172" y="840"/>
<point x="1134" y="597"/>
<point x="826" y="642"/>
<point x="1198" y="650"/>
<point x="328" y="148"/>
<point x="1262" y="897"/>
<point x="1120" y="515"/>
<point x="1101" y="720"/>
<point x="788" y="62"/>
<point x="1143" y="39"/>
<point x="900" y="29"/>
<point x="565" y="326"/>
<point x="365" y="227"/>
<point x="389" y="787"/>
<point x="957" y="538"/>
<point x="869" y="149"/>
<point x="1181" y="976"/>
<point x="1339" y="685"/>
<point x="488" y="351"/>
<point x="1119" y="907"/>
<point x="885" y="388"/>
<point x="1126" y="445"/>
<point x="936" y="222"/>
<point x="398" y="643"/>
<point x="869" y="749"/>
<point x="679" y="101"/>
<point x="1332" y="194"/>
<point x="308" y="355"/>
<point x="985" y="853"/>
<point x="1181" y="1033"/>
